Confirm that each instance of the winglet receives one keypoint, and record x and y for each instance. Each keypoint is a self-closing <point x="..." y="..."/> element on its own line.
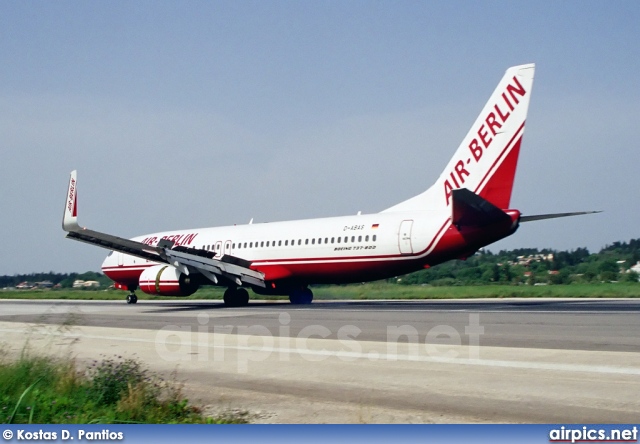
<point x="70" y="217"/>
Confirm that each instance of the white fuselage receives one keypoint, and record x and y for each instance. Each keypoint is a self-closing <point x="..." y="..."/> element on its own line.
<point x="349" y="248"/>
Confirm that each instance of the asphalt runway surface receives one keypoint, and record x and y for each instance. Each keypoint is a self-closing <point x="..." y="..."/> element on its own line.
<point x="606" y="325"/>
<point x="508" y="360"/>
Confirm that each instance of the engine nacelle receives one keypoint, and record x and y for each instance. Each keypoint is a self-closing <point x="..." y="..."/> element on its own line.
<point x="165" y="280"/>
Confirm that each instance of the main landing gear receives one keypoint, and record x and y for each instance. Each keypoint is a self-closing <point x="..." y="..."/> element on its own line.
<point x="132" y="298"/>
<point x="301" y="296"/>
<point x="236" y="297"/>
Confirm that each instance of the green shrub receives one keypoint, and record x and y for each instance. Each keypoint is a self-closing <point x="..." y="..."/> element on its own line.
<point x="47" y="390"/>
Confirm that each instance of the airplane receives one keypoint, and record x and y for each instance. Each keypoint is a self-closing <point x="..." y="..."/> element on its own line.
<point x="466" y="209"/>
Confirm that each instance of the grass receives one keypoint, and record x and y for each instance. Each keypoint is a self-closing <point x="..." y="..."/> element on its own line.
<point x="374" y="290"/>
<point x="390" y="291"/>
<point x="45" y="390"/>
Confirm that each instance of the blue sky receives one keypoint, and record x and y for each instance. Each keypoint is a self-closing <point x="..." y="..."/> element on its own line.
<point x="190" y="114"/>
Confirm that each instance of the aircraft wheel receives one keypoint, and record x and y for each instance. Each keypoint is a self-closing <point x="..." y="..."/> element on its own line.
<point x="236" y="297"/>
<point x="132" y="299"/>
<point x="300" y="297"/>
<point x="243" y="297"/>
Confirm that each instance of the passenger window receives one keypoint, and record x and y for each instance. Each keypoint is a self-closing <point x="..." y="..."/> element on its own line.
<point x="286" y="243"/>
<point x="359" y="238"/>
<point x="374" y="237"/>
<point x="306" y="241"/>
<point x="332" y="239"/>
<point x="245" y="245"/>
<point x="326" y="240"/>
<point x="366" y="238"/>
<point x="313" y="241"/>
<point x="299" y="241"/>
<point x="346" y="239"/>
<point x="339" y="239"/>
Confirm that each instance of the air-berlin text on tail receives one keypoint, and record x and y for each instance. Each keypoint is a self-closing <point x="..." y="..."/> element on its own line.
<point x="177" y="239"/>
<point x="489" y="127"/>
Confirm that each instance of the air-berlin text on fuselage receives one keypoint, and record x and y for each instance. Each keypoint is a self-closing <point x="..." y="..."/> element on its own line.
<point x="177" y="239"/>
<point x="488" y="129"/>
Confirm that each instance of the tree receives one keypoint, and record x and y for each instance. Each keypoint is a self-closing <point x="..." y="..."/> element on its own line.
<point x="631" y="276"/>
<point x="505" y="273"/>
<point x="562" y="277"/>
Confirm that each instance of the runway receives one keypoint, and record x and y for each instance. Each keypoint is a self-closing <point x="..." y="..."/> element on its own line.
<point x="510" y="360"/>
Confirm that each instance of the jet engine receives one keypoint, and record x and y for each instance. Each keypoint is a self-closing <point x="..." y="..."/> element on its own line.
<point x="165" y="280"/>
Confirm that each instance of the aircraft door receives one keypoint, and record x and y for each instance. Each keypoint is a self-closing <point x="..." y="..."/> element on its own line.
<point x="218" y="249"/>
<point x="404" y="237"/>
<point x="227" y="248"/>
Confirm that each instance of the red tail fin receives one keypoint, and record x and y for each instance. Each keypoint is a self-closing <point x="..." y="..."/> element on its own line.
<point x="485" y="162"/>
<point x="498" y="187"/>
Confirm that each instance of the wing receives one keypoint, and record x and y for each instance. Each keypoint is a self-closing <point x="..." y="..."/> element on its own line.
<point x="187" y="260"/>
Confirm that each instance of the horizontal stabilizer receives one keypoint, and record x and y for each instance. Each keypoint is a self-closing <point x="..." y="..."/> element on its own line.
<point x="469" y="209"/>
<point x="554" y="216"/>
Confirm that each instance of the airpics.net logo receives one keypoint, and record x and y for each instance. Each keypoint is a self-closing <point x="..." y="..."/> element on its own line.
<point x="256" y="343"/>
<point x="591" y="434"/>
